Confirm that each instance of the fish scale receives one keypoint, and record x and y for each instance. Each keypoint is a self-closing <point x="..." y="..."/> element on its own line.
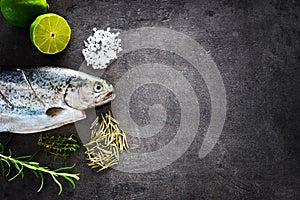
<point x="43" y="98"/>
<point x="25" y="99"/>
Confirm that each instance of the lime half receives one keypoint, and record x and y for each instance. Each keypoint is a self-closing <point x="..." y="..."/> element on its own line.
<point x="50" y="33"/>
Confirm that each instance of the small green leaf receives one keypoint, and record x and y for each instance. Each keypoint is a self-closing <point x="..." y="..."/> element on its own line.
<point x="35" y="173"/>
<point x="9" y="152"/>
<point x="2" y="148"/>
<point x="16" y="165"/>
<point x="36" y="164"/>
<point x="42" y="181"/>
<point x="71" y="181"/>
<point x="64" y="168"/>
<point x="23" y="157"/>
<point x="58" y="183"/>
<point x="19" y="172"/>
<point x="8" y="165"/>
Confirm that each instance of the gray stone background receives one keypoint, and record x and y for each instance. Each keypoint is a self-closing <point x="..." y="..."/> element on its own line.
<point x="255" y="45"/>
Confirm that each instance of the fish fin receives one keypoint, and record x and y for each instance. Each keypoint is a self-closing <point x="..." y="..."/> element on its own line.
<point x="34" y="124"/>
<point x="54" y="111"/>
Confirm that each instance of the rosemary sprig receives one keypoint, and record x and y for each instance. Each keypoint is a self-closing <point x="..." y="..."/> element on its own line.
<point x="107" y="139"/>
<point x="21" y="163"/>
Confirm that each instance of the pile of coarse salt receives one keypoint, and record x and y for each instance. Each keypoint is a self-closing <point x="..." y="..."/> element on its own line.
<point x="101" y="48"/>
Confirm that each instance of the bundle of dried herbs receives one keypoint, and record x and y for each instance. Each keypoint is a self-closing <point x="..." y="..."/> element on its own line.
<point x="106" y="141"/>
<point x="59" y="146"/>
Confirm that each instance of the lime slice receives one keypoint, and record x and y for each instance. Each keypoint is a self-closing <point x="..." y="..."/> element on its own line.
<point x="50" y="33"/>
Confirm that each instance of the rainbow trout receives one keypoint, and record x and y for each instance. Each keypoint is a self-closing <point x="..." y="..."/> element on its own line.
<point x="39" y="99"/>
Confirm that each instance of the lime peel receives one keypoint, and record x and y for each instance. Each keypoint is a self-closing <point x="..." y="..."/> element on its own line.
<point x="21" y="13"/>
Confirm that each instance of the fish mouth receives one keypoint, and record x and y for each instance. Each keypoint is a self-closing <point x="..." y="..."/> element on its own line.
<point x="109" y="96"/>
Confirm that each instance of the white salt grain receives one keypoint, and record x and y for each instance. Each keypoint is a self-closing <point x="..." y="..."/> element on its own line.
<point x="101" y="48"/>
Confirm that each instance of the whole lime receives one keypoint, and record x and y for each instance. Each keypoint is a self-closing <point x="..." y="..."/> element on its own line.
<point x="21" y="13"/>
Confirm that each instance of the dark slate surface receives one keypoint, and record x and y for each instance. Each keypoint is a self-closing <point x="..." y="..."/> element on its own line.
<point x="255" y="45"/>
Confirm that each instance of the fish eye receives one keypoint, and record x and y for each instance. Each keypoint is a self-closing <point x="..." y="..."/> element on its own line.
<point x="97" y="87"/>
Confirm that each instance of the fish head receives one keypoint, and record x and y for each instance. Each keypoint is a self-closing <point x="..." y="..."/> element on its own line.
<point x="88" y="92"/>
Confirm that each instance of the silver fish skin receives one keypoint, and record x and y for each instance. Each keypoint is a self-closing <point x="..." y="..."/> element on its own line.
<point x="43" y="98"/>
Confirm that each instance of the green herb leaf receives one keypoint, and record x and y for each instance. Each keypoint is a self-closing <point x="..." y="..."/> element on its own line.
<point x="58" y="183"/>
<point x="70" y="180"/>
<point x="64" y="168"/>
<point x="42" y="181"/>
